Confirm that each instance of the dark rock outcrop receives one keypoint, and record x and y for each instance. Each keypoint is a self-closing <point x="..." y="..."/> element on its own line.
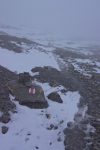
<point x="74" y="139"/>
<point x="54" y="96"/>
<point x="23" y="95"/>
<point x="6" y="105"/>
<point x="14" y="43"/>
<point x="55" y="78"/>
<point x="5" y="118"/>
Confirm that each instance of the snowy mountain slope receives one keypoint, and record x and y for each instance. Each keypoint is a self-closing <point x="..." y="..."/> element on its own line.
<point x="32" y="129"/>
<point x="47" y="45"/>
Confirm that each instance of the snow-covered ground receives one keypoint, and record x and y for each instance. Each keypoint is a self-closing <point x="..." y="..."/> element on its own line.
<point x="30" y="128"/>
<point x="26" y="61"/>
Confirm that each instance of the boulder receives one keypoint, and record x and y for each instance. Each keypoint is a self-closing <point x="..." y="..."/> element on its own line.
<point x="4" y="129"/>
<point x="31" y="96"/>
<point x="54" y="96"/>
<point x="5" y="118"/>
<point x="70" y="124"/>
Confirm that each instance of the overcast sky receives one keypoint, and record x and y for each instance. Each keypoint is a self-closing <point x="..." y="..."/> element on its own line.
<point x="72" y="19"/>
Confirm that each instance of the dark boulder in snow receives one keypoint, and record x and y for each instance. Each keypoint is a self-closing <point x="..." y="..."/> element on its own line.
<point x="4" y="129"/>
<point x="54" y="96"/>
<point x="31" y="96"/>
<point x="5" y="118"/>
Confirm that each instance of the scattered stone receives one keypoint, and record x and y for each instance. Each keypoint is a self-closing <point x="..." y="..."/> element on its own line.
<point x="5" y="118"/>
<point x="64" y="91"/>
<point x="54" y="96"/>
<point x="62" y="121"/>
<point x="50" y="143"/>
<point x="70" y="125"/>
<point x="36" y="147"/>
<point x="42" y="110"/>
<point x="55" y="127"/>
<point x="48" y="116"/>
<point x="4" y="129"/>
<point x="51" y="127"/>
<point x="59" y="139"/>
<point x="29" y="134"/>
<point x="27" y="139"/>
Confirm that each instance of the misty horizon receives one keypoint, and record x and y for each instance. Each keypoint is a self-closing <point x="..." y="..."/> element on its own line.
<point x="71" y="19"/>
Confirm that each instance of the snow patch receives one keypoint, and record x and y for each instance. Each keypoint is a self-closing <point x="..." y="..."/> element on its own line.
<point x="21" y="62"/>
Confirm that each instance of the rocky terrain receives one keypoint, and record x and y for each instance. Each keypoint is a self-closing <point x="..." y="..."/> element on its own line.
<point x="84" y="133"/>
<point x="85" y="129"/>
<point x="74" y="75"/>
<point x="6" y="105"/>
